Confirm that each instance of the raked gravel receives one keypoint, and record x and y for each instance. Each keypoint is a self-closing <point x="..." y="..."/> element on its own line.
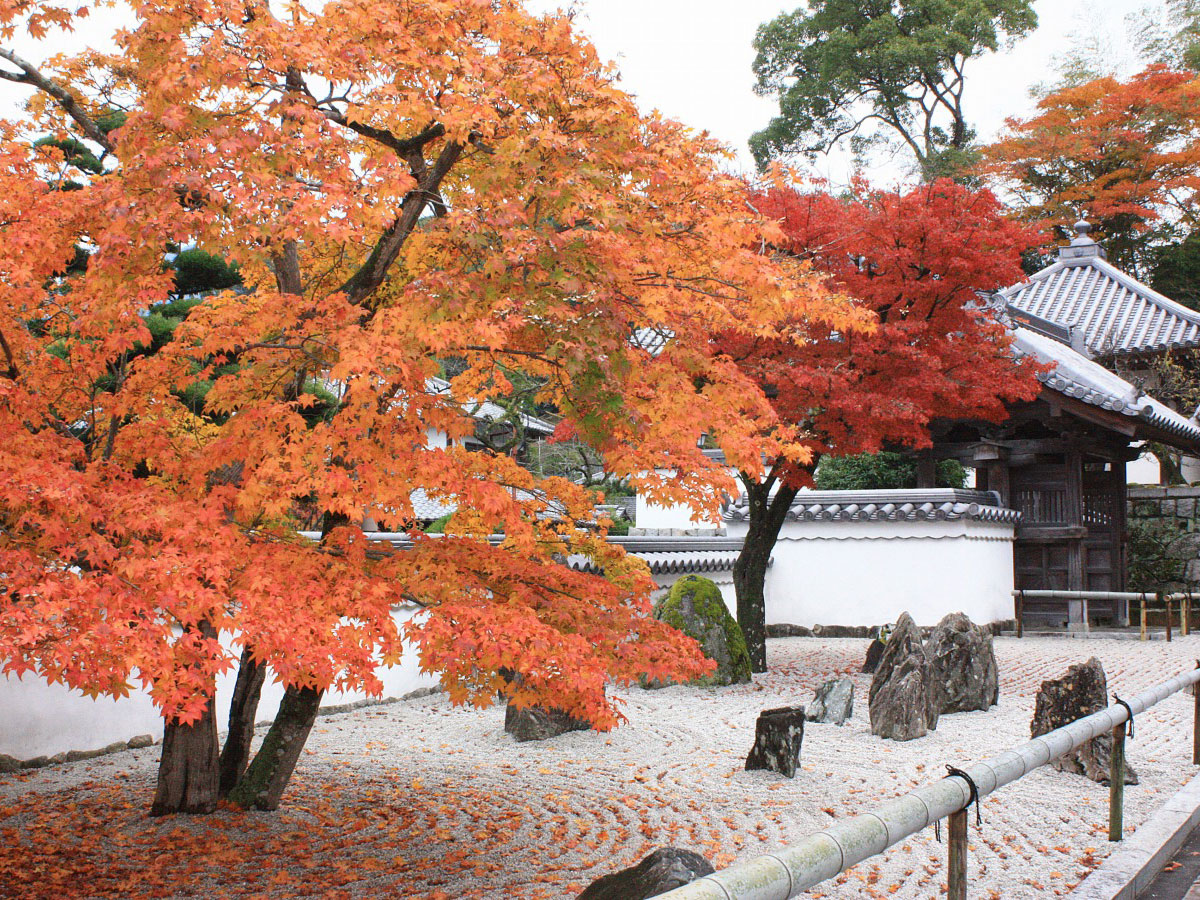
<point x="445" y="804"/>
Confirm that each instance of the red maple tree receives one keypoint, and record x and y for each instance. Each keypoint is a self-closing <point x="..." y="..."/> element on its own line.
<point x="915" y="260"/>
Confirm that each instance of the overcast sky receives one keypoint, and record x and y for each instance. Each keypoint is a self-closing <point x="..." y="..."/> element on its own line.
<point x="691" y="60"/>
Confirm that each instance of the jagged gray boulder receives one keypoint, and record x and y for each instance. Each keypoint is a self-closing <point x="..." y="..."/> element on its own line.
<point x="1083" y="690"/>
<point x="903" y="703"/>
<point x="778" y="734"/>
<point x="833" y="704"/>
<point x="663" y="870"/>
<point x="534" y="723"/>
<point x="874" y="654"/>
<point x="965" y="675"/>
<point x="695" y="607"/>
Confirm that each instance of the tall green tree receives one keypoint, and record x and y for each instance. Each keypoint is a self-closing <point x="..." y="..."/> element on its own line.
<point x="878" y="71"/>
<point x="1168" y="32"/>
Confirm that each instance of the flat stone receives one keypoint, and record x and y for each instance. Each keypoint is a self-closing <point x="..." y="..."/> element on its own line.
<point x="140" y="741"/>
<point x="77" y="755"/>
<point x="663" y="870"/>
<point x="534" y="723"/>
<point x="1083" y="690"/>
<point x="833" y="704"/>
<point x="789" y="631"/>
<point x="903" y="704"/>
<point x="963" y="663"/>
<point x="778" y="734"/>
<point x="843" y="631"/>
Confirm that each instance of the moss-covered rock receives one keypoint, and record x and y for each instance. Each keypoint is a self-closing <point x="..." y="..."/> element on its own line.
<point x="694" y="606"/>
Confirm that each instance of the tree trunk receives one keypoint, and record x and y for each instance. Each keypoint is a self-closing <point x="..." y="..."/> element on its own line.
<point x="188" y="778"/>
<point x="188" y="775"/>
<point x="264" y="782"/>
<point x="242" y="711"/>
<point x="750" y="571"/>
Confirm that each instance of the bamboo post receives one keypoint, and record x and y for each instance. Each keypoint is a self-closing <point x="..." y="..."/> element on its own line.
<point x="1185" y="614"/>
<point x="1142" y="635"/>
<point x="1196" y="721"/>
<point x="1167" y="601"/>
<point x="1116" y="785"/>
<point x="1020" y="611"/>
<point x="956" y="883"/>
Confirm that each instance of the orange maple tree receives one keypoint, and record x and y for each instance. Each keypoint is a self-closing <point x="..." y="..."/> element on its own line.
<point x="1125" y="154"/>
<point x="915" y="260"/>
<point x="400" y="184"/>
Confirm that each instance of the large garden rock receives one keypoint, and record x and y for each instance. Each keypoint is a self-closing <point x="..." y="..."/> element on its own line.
<point x="874" y="654"/>
<point x="535" y="723"/>
<point x="778" y="734"/>
<point x="663" y="870"/>
<point x="696" y="608"/>
<point x="965" y="676"/>
<point x="1060" y="701"/>
<point x="833" y="704"/>
<point x="903" y="703"/>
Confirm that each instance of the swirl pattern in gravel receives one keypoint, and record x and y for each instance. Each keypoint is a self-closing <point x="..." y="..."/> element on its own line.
<point x="420" y="799"/>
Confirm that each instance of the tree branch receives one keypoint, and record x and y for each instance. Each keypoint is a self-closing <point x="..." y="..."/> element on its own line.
<point x="370" y="275"/>
<point x="30" y="75"/>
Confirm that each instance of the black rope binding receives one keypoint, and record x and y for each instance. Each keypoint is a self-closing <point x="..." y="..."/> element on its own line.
<point x="1128" y="725"/>
<point x="973" y="798"/>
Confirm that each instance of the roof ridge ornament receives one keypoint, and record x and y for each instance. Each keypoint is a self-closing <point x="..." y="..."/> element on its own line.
<point x="1083" y="245"/>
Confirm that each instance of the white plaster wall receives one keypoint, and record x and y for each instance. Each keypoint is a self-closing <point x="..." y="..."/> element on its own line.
<point x="1143" y="470"/>
<point x="867" y="573"/>
<point x="40" y="719"/>
<point x="656" y="519"/>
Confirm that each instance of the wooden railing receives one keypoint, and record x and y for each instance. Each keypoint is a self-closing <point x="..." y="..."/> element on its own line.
<point x="1078" y="610"/>
<point x="793" y="869"/>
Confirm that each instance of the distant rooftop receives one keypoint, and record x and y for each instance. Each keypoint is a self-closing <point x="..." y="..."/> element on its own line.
<point x="892" y="505"/>
<point x="1115" y="313"/>
<point x="1075" y="375"/>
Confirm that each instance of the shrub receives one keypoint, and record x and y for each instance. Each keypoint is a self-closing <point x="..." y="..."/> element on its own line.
<point x="872" y="471"/>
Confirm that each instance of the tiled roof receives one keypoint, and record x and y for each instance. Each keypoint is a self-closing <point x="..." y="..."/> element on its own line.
<point x="684" y="562"/>
<point x="1115" y="312"/>
<point x="665" y="556"/>
<point x="899" y="505"/>
<point x="1074" y="375"/>
<point x="489" y="411"/>
<point x="425" y="507"/>
<point x="675" y="555"/>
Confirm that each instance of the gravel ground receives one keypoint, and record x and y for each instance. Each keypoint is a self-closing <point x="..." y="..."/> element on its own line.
<point x="419" y="799"/>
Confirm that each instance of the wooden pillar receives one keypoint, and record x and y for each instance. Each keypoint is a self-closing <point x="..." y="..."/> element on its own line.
<point x="956" y="882"/>
<point x="1116" y="785"/>
<point x="926" y="471"/>
<point x="1121" y="493"/>
<point x="1196" y="721"/>
<point x="999" y="481"/>
<point x="1074" y="516"/>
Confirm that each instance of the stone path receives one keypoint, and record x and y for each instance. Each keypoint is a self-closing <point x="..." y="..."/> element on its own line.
<point x="420" y="799"/>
